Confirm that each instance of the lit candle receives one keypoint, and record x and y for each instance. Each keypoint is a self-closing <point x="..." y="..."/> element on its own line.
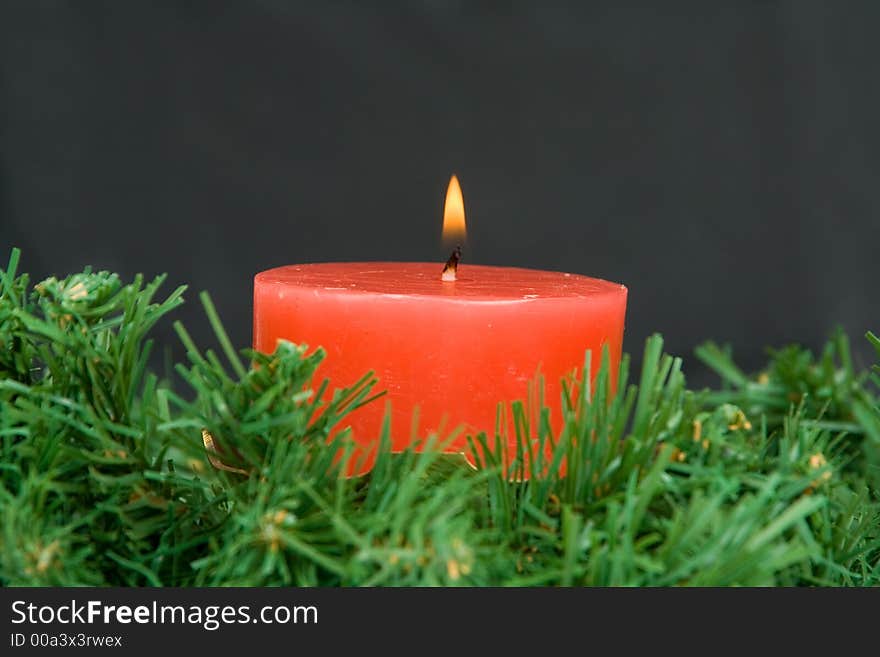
<point x="449" y="341"/>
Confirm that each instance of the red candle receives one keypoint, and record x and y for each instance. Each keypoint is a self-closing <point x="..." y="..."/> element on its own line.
<point x="453" y="349"/>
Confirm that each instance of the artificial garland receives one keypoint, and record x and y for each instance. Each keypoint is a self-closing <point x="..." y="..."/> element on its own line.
<point x="112" y="475"/>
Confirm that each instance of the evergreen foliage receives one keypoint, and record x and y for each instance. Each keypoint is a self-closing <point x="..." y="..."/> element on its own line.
<point x="105" y="478"/>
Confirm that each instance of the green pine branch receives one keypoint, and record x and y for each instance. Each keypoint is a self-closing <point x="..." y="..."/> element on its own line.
<point x="110" y="475"/>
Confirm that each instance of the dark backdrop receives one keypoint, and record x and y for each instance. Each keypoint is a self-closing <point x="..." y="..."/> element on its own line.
<point x="721" y="161"/>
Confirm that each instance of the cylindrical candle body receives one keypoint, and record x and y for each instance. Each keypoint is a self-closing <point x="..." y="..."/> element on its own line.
<point x="452" y="349"/>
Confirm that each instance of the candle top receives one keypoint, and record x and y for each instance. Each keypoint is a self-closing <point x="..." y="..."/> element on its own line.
<point x="477" y="282"/>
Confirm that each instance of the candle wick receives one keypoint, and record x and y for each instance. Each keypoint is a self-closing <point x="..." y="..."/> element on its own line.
<point x="450" y="270"/>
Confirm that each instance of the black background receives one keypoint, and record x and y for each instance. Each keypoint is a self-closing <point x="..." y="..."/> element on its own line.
<point x="720" y="159"/>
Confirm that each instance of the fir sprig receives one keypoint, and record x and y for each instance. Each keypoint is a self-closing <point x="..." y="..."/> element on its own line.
<point x="236" y="475"/>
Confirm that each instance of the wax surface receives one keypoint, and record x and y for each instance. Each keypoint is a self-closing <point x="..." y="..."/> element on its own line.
<point x="452" y="349"/>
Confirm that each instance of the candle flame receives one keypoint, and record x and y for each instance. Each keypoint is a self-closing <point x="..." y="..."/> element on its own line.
<point x="454" y="229"/>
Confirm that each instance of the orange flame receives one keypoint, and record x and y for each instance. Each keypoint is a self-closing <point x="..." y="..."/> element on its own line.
<point x="454" y="229"/>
